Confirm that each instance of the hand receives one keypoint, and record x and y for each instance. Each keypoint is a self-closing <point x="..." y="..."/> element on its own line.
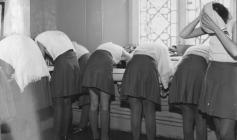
<point x="208" y="23"/>
<point x="164" y="92"/>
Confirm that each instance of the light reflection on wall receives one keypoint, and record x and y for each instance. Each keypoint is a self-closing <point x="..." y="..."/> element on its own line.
<point x="17" y="17"/>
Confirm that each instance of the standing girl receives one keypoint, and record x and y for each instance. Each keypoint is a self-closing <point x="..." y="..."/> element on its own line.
<point x="65" y="78"/>
<point x="187" y="83"/>
<point x="141" y="84"/>
<point x="98" y="78"/>
<point x="186" y="88"/>
<point x="219" y="98"/>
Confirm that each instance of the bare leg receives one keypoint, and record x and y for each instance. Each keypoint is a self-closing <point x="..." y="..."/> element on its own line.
<point x="188" y="122"/>
<point x="67" y="117"/>
<point x="201" y="127"/>
<point x="84" y="119"/>
<point x="149" y="113"/>
<point x="217" y="123"/>
<point x="104" y="115"/>
<point x="58" y="117"/>
<point x="94" y="113"/>
<point x="136" y="114"/>
<point x="84" y="116"/>
<point x="227" y="128"/>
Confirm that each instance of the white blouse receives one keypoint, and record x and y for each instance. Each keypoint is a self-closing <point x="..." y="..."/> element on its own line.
<point x="80" y="50"/>
<point x="160" y="54"/>
<point x="115" y="50"/>
<point x="55" y="42"/>
<point x="217" y="50"/>
<point x="200" y="50"/>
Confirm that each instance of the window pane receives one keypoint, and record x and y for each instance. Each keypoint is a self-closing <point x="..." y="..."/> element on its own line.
<point x="158" y="20"/>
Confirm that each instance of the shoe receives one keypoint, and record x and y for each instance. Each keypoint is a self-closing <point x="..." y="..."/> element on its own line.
<point x="79" y="130"/>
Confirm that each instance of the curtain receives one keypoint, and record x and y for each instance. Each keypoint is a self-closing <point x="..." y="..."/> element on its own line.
<point x="17" y="17"/>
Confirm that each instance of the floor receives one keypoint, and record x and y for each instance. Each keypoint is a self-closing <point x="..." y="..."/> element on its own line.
<point x="114" y="135"/>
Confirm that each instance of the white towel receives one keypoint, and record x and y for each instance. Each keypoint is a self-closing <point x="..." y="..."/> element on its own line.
<point x="23" y="54"/>
<point x="208" y="9"/>
<point x="80" y="50"/>
<point x="55" y="42"/>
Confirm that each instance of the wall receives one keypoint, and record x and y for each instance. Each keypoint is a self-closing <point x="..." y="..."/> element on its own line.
<point x="71" y="19"/>
<point x="42" y="16"/>
<point x="92" y="22"/>
<point x="115" y="21"/>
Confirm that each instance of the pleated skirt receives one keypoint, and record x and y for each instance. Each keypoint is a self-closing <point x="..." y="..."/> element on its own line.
<point x="98" y="72"/>
<point x="219" y="96"/>
<point x="186" y="85"/>
<point x="141" y="79"/>
<point x="65" y="77"/>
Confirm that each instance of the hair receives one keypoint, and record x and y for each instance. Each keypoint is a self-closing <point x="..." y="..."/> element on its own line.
<point x="221" y="10"/>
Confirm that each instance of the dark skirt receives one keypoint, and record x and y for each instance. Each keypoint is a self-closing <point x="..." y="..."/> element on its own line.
<point x="188" y="79"/>
<point x="65" y="77"/>
<point x="98" y="73"/>
<point x="141" y="79"/>
<point x="84" y="97"/>
<point x="219" y="96"/>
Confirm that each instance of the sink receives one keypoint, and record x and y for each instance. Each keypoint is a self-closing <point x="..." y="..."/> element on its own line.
<point x="118" y="74"/>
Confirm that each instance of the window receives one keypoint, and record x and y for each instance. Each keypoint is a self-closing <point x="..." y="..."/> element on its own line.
<point x="158" y="21"/>
<point x="162" y="20"/>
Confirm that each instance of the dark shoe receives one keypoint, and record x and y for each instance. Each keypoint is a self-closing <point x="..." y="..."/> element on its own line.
<point x="79" y="130"/>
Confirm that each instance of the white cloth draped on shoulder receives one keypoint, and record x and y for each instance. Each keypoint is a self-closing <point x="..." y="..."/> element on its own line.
<point x="80" y="50"/>
<point x="55" y="42"/>
<point x="208" y="9"/>
<point x="23" y="54"/>
<point x="115" y="50"/>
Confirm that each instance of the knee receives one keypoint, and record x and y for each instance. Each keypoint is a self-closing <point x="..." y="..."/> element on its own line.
<point x="104" y="106"/>
<point x="94" y="104"/>
<point x="188" y="131"/>
<point x="225" y="135"/>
